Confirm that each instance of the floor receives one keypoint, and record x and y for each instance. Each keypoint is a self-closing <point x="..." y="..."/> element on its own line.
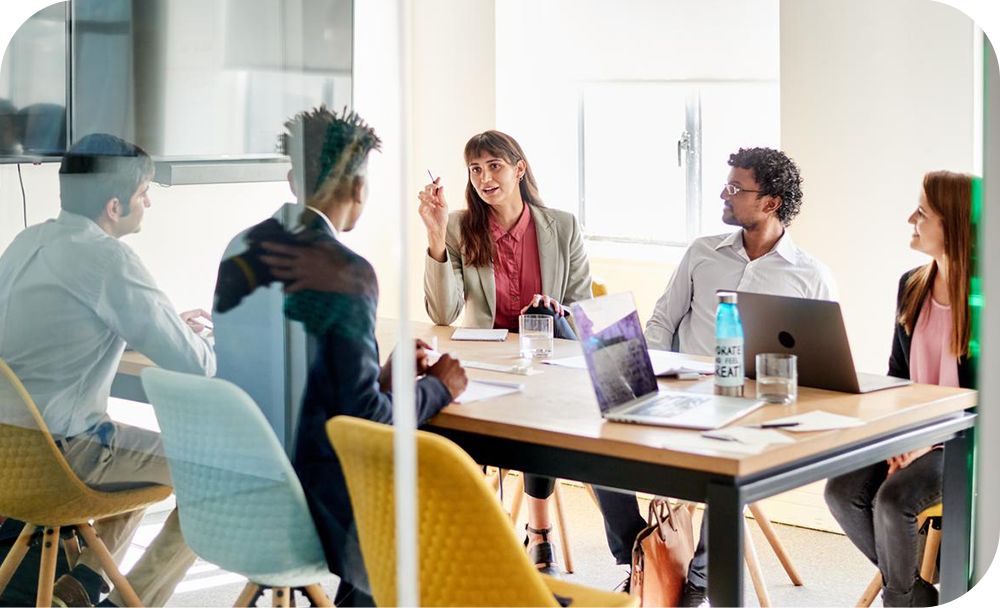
<point x="835" y="573"/>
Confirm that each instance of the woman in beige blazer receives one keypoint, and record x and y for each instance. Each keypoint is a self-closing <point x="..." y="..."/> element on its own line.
<point x="505" y="241"/>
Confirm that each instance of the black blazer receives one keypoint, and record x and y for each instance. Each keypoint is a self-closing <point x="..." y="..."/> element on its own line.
<point x="899" y="360"/>
<point x="344" y="380"/>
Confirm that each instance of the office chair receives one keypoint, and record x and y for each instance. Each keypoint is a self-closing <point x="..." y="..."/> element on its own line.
<point x="230" y="473"/>
<point x="468" y="553"/>
<point x="38" y="487"/>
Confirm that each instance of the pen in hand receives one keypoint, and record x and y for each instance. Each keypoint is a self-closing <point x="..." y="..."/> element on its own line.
<point x="433" y="181"/>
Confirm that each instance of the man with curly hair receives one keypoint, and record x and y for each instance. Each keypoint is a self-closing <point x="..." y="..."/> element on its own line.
<point x="333" y="292"/>
<point x="761" y="197"/>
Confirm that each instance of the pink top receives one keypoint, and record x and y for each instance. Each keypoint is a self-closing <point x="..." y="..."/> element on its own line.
<point x="516" y="269"/>
<point x="931" y="359"/>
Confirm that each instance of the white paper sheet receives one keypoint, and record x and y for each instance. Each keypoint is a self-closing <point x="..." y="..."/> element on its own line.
<point x="481" y="335"/>
<point x="478" y="391"/>
<point x="694" y="441"/>
<point x="818" y="421"/>
<point x="664" y="363"/>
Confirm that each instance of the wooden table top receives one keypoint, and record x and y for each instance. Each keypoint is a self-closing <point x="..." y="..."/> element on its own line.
<point x="558" y="408"/>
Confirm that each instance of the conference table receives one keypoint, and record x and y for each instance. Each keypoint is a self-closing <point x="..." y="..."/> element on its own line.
<point x="553" y="427"/>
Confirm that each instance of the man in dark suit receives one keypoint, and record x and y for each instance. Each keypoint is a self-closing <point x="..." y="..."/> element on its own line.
<point x="333" y="291"/>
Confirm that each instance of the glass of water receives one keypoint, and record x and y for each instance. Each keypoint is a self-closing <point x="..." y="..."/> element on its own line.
<point x="536" y="336"/>
<point x="777" y="378"/>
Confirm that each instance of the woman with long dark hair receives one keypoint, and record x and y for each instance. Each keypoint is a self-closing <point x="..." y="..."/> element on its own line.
<point x="503" y="255"/>
<point x="877" y="506"/>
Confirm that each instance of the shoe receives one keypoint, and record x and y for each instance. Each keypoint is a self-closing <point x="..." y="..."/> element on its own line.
<point x="542" y="554"/>
<point x="70" y="592"/>
<point x="693" y="596"/>
<point x="626" y="585"/>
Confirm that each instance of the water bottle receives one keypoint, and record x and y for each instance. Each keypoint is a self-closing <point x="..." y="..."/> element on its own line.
<point x="728" y="346"/>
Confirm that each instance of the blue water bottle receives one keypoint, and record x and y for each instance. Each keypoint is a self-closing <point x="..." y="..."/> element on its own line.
<point x="728" y="346"/>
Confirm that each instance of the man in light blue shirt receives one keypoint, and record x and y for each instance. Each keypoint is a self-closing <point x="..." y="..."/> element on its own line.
<point x="71" y="296"/>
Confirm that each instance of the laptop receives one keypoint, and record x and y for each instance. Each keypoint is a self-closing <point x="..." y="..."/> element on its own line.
<point x="622" y="374"/>
<point x="813" y="331"/>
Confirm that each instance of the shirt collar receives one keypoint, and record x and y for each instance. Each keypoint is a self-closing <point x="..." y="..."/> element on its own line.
<point x="785" y="247"/>
<point x="517" y="231"/>
<point x="76" y="220"/>
<point x="333" y="229"/>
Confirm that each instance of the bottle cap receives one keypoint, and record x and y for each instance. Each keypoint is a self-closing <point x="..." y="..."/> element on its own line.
<point x="726" y="297"/>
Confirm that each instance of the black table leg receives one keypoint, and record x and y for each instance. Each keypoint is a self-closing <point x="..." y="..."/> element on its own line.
<point x="725" y="546"/>
<point x="956" y="529"/>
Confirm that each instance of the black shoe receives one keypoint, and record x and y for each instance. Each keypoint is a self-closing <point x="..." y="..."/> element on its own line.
<point x="693" y="596"/>
<point x="626" y="585"/>
<point x="542" y="554"/>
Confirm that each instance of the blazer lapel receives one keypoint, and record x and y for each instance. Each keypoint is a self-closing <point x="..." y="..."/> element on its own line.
<point x="489" y="288"/>
<point x="548" y="251"/>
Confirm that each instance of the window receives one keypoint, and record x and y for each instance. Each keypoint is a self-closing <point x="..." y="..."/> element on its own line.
<point x="657" y="152"/>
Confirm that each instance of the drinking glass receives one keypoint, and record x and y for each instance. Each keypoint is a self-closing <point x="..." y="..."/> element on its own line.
<point x="536" y="336"/>
<point x="777" y="378"/>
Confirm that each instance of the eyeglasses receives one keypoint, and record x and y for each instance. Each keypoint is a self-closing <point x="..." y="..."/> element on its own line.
<point x="733" y="189"/>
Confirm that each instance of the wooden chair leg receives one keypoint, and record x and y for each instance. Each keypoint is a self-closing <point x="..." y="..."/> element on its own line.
<point x="563" y="530"/>
<point x="931" y="547"/>
<point x="246" y="596"/>
<point x="47" y="570"/>
<point x="753" y="565"/>
<point x="772" y="538"/>
<point x="121" y="583"/>
<point x="517" y="498"/>
<point x="15" y="556"/>
<point x="318" y="597"/>
<point x="874" y="588"/>
<point x="71" y="546"/>
<point x="279" y="597"/>
<point x="593" y="496"/>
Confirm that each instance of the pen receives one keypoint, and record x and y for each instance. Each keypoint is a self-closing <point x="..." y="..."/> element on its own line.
<point x="776" y="425"/>
<point x="719" y="436"/>
<point x="514" y="385"/>
<point x="433" y="179"/>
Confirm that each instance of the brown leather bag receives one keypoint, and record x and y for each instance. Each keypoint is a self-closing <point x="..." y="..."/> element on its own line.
<point x="661" y="555"/>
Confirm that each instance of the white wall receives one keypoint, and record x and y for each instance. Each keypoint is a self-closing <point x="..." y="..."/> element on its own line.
<point x="452" y="62"/>
<point x="873" y="95"/>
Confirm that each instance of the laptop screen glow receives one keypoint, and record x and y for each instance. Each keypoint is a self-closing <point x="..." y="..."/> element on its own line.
<point x="616" y="353"/>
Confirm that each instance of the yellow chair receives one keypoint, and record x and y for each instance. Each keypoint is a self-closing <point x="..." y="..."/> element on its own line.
<point x="931" y="517"/>
<point x="469" y="555"/>
<point x="598" y="287"/>
<point x="38" y="487"/>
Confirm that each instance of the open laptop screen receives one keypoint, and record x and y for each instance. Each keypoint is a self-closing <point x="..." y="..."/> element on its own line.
<point x="615" y="349"/>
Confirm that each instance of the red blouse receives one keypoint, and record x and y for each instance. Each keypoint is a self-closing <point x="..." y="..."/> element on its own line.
<point x="517" y="272"/>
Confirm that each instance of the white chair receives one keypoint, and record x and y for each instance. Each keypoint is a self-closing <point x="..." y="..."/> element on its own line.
<point x="240" y="503"/>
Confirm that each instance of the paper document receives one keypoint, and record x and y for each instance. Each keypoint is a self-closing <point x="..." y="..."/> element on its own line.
<point x="818" y="421"/>
<point x="695" y="442"/>
<point x="664" y="363"/>
<point x="750" y="435"/>
<point x="477" y="390"/>
<point x="485" y="335"/>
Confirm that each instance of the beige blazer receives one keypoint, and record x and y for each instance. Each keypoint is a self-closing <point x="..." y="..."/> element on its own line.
<point x="451" y="285"/>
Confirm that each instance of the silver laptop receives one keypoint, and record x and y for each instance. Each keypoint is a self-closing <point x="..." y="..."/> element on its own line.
<point x="813" y="331"/>
<point x="620" y="370"/>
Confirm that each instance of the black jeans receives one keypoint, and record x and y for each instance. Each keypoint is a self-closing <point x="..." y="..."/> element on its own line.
<point x="623" y="522"/>
<point x="879" y="515"/>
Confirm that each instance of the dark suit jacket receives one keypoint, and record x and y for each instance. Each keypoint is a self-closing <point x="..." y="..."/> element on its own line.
<point x="343" y="380"/>
<point x="899" y="360"/>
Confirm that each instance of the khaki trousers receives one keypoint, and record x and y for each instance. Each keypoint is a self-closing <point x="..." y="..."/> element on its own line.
<point x="116" y="457"/>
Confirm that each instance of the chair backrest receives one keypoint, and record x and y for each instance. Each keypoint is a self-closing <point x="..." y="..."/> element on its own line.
<point x="240" y="502"/>
<point x="468" y="552"/>
<point x="36" y="483"/>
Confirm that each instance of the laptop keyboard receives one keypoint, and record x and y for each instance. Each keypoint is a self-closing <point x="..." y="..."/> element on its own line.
<point x="667" y="406"/>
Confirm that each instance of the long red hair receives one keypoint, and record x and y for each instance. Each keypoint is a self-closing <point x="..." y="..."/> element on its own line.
<point x="950" y="196"/>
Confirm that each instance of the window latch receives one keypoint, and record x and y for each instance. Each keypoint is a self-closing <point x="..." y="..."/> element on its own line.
<point x="683" y="146"/>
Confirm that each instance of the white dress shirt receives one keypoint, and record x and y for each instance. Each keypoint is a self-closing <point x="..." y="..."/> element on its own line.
<point x="687" y="307"/>
<point x="71" y="296"/>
